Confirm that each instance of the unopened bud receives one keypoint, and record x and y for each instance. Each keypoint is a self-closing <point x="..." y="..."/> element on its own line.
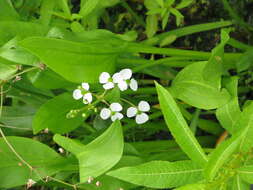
<point x="30" y="183"/>
<point x="90" y="179"/>
<point x="98" y="183"/>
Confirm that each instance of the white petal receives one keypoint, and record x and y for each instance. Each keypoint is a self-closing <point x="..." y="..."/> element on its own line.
<point x="88" y="97"/>
<point x="104" y="77"/>
<point x="105" y="113"/>
<point x="143" y="106"/>
<point x="85" y="86"/>
<point x="115" y="106"/>
<point x="118" y="116"/>
<point x="131" y="112"/>
<point x="117" y="78"/>
<point x="122" y="85"/>
<point x="77" y="94"/>
<point x="141" y="118"/>
<point x="108" y="85"/>
<point x="126" y="73"/>
<point x="133" y="84"/>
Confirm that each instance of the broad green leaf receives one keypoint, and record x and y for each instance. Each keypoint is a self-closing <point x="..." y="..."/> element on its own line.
<point x="220" y="156"/>
<point x="246" y="173"/>
<point x="151" y="25"/>
<point x="179" y="128"/>
<point x="98" y="156"/>
<point x="15" y="173"/>
<point x="160" y="3"/>
<point x="52" y="115"/>
<point x="193" y="187"/>
<point x="160" y="174"/>
<point x="239" y="184"/>
<point x="6" y="71"/>
<point x="213" y="69"/>
<point x="245" y="127"/>
<point x="76" y="62"/>
<point x="12" y="52"/>
<point x="190" y="87"/>
<point x="17" y="118"/>
<point x="10" y="29"/>
<point x="7" y="11"/>
<point x="230" y="112"/>
<point x="48" y="79"/>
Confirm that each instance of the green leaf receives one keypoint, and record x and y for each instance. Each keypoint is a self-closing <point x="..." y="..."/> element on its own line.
<point x="239" y="184"/>
<point x="7" y="11"/>
<point x="179" y="128"/>
<point x="246" y="173"/>
<point x="6" y="71"/>
<point x="15" y="173"/>
<point x="213" y="68"/>
<point x="46" y="11"/>
<point x="48" y="79"/>
<point x="52" y="115"/>
<point x="230" y="112"/>
<point x="160" y="3"/>
<point x="12" y="52"/>
<point x="184" y="3"/>
<point x="76" y="62"/>
<point x="151" y="25"/>
<point x="190" y="87"/>
<point x="88" y="6"/>
<point x="193" y="187"/>
<point x="178" y="15"/>
<point x="220" y="156"/>
<point x="11" y="29"/>
<point x="98" y="156"/>
<point x="160" y="174"/>
<point x="245" y="127"/>
<point x="245" y="61"/>
<point x="18" y="118"/>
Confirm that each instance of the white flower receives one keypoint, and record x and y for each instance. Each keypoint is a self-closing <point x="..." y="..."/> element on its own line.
<point x="83" y="92"/>
<point x="140" y="116"/>
<point x="108" y="81"/>
<point x="113" y="111"/>
<point x="125" y="80"/>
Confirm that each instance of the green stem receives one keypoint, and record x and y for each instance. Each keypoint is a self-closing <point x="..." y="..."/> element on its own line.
<point x="194" y="121"/>
<point x="239" y="45"/>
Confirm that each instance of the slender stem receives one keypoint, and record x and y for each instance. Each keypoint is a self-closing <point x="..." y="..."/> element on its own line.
<point x="22" y="72"/>
<point x="130" y="103"/>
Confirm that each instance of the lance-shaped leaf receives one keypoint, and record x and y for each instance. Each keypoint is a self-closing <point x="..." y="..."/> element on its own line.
<point x="179" y="128"/>
<point x="53" y="115"/>
<point x="160" y="174"/>
<point x="75" y="61"/>
<point x="230" y="112"/>
<point x="245" y="127"/>
<point x="98" y="156"/>
<point x="13" y="172"/>
<point x="241" y="140"/>
<point x="246" y="173"/>
<point x="190" y="87"/>
<point x="220" y="156"/>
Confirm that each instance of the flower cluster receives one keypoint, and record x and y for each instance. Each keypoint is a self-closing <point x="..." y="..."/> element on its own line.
<point x="138" y="112"/>
<point x="123" y="80"/>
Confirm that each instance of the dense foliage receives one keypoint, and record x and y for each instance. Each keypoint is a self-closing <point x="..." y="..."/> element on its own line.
<point x="126" y="95"/>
